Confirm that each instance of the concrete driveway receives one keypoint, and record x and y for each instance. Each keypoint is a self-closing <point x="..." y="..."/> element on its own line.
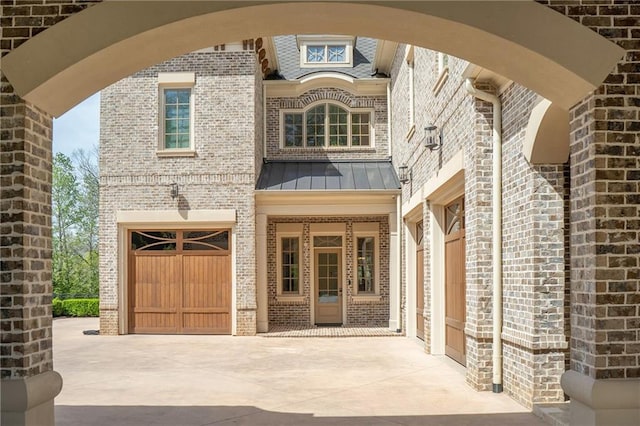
<point x="223" y="380"/>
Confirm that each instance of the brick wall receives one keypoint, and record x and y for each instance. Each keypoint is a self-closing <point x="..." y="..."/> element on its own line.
<point x="533" y="222"/>
<point x="298" y="313"/>
<point x="25" y="206"/>
<point x="219" y="176"/>
<point x="605" y="194"/>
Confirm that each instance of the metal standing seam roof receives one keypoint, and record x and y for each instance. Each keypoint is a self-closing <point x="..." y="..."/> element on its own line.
<point x="328" y="176"/>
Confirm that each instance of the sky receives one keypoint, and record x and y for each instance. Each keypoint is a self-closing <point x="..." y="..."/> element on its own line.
<point x="78" y="128"/>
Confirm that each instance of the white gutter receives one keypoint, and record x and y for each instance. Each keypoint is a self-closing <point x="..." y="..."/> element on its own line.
<point x="497" y="229"/>
<point x="264" y="120"/>
<point x="399" y="259"/>
<point x="389" y="118"/>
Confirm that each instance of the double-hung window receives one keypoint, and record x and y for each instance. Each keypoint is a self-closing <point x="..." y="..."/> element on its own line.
<point x="176" y="112"/>
<point x="327" y="125"/>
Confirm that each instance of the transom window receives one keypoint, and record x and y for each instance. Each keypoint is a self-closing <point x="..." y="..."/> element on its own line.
<point x="327" y="54"/>
<point x="325" y="51"/>
<point x="326" y="125"/>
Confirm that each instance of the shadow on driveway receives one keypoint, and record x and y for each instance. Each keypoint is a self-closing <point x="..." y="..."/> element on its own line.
<point x="244" y="415"/>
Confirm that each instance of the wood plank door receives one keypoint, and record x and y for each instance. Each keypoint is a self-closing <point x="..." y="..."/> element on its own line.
<point x="179" y="282"/>
<point x="328" y="282"/>
<point x="419" y="281"/>
<point x="455" y="284"/>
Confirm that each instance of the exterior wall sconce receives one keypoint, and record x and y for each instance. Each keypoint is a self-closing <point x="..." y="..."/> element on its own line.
<point x="174" y="190"/>
<point x="404" y="173"/>
<point x="432" y="137"/>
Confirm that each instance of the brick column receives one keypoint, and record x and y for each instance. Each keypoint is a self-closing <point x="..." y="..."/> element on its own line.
<point x="29" y="383"/>
<point x="478" y="328"/>
<point x="604" y="381"/>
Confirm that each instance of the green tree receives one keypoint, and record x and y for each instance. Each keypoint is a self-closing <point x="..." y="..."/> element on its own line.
<point x="75" y="223"/>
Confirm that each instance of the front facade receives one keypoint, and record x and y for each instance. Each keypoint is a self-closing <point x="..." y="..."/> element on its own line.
<point x="588" y="68"/>
<point x="265" y="199"/>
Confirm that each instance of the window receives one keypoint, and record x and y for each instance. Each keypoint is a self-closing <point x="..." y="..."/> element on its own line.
<point x="365" y="264"/>
<point x="177" y="118"/>
<point x="326" y="125"/>
<point x="176" y="113"/>
<point x="290" y="262"/>
<point x="325" y="51"/>
<point x="366" y="252"/>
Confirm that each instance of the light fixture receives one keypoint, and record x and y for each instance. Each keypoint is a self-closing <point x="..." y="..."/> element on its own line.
<point x="404" y="173"/>
<point x="174" y="190"/>
<point x="432" y="137"/>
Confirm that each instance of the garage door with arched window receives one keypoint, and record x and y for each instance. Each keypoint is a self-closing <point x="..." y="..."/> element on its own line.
<point x="179" y="281"/>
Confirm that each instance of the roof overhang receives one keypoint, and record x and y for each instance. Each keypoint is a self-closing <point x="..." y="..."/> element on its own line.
<point x="326" y="203"/>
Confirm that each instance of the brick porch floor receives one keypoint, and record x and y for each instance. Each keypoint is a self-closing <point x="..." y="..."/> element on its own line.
<point x="315" y="331"/>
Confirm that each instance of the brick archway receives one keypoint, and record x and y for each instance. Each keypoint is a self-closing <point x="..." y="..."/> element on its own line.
<point x="46" y="75"/>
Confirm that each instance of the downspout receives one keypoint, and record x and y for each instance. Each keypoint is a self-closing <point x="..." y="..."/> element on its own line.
<point x="389" y="149"/>
<point x="264" y="121"/>
<point x="496" y="243"/>
<point x="399" y="258"/>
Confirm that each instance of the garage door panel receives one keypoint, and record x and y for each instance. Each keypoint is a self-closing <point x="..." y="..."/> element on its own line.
<point x="176" y="291"/>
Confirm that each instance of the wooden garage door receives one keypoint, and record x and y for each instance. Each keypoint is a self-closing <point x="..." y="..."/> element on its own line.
<point x="180" y="282"/>
<point x="455" y="284"/>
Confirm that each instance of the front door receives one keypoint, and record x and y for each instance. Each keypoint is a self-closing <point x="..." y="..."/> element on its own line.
<point x="455" y="285"/>
<point x="328" y="282"/>
<point x="419" y="282"/>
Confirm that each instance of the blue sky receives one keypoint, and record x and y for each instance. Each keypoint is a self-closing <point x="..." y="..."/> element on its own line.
<point x="78" y="128"/>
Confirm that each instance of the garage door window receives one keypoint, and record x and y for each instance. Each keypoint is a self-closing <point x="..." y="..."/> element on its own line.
<point x="153" y="240"/>
<point x="206" y="240"/>
<point x="214" y="241"/>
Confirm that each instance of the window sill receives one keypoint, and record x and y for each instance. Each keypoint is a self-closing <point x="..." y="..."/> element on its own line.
<point x="366" y="299"/>
<point x="176" y="153"/>
<point x="444" y="75"/>
<point x="286" y="299"/>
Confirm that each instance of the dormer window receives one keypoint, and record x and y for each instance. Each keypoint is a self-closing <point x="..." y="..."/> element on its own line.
<point x="325" y="51"/>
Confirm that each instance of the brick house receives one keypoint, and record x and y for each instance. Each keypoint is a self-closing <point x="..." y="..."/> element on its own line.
<point x="269" y="197"/>
<point x="582" y="56"/>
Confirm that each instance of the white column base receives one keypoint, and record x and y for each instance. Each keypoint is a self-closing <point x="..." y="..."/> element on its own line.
<point x="28" y="401"/>
<point x="602" y="402"/>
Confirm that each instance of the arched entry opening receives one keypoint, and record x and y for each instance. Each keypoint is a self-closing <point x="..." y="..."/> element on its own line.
<point x="565" y="71"/>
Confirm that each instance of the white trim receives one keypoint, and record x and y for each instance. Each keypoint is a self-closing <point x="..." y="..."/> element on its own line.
<point x="437" y="271"/>
<point x="295" y="88"/>
<point x="179" y="78"/>
<point x="262" y="313"/>
<point x="435" y="186"/>
<point x="170" y="219"/>
<point x="288" y="230"/>
<point x="326" y="146"/>
<point x="177" y="217"/>
<point x="411" y="283"/>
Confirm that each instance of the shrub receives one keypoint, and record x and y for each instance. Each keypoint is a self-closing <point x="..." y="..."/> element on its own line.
<point x="58" y="307"/>
<point x="81" y="307"/>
